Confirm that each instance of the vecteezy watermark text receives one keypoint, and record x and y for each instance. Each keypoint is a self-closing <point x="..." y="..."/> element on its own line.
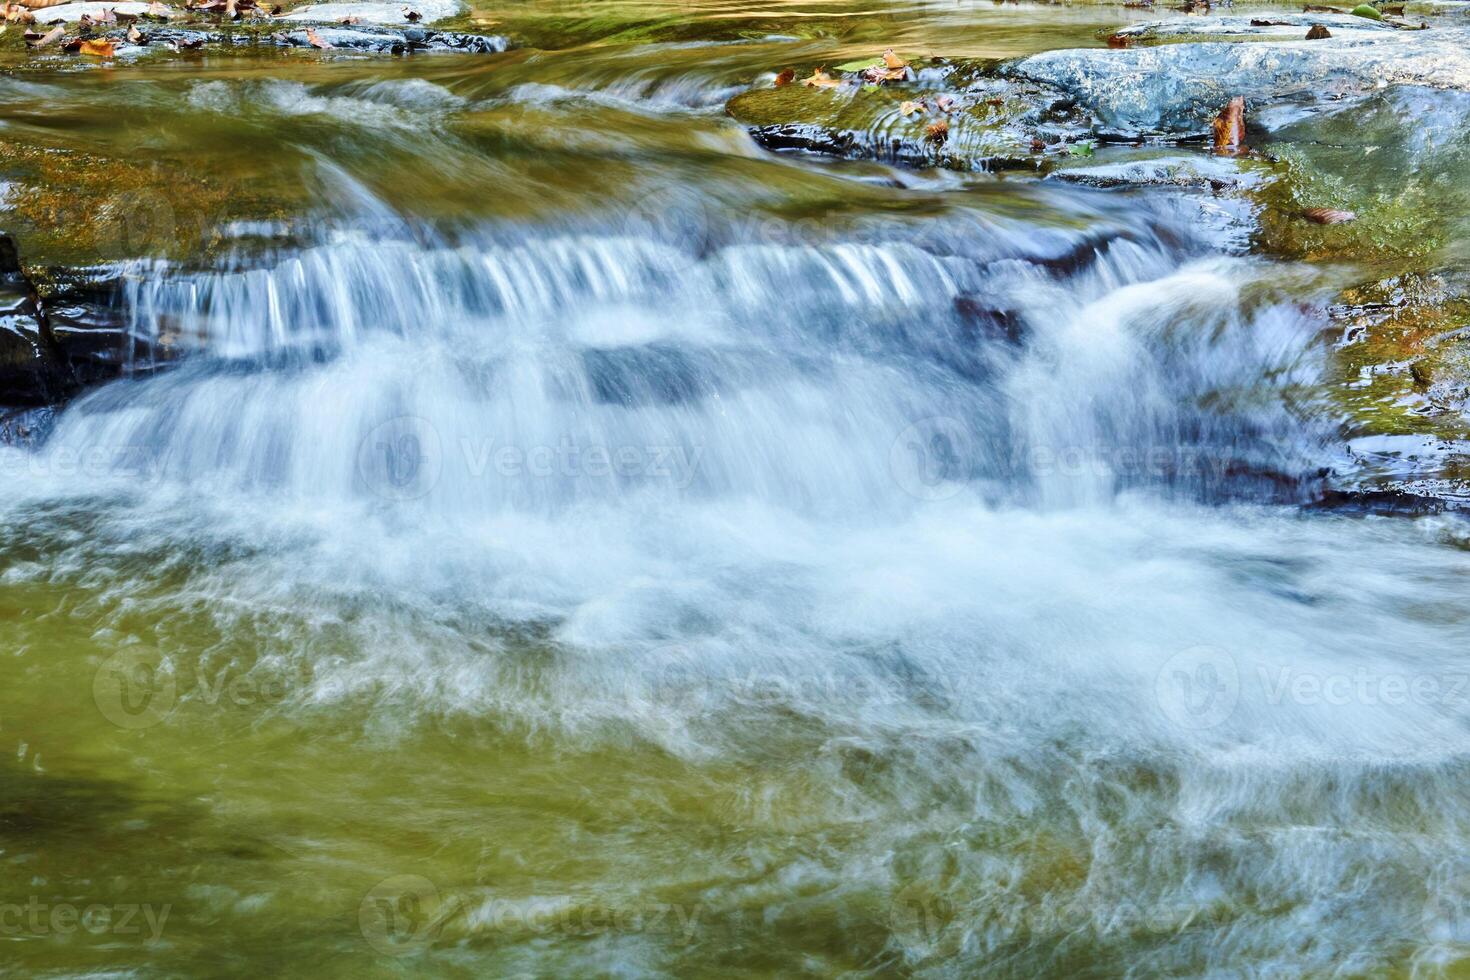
<point x="35" y="917"/>
<point x="407" y="456"/>
<point x="407" y="913"/>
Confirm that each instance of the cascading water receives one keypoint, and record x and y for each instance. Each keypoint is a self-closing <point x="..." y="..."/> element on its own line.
<point x="923" y="594"/>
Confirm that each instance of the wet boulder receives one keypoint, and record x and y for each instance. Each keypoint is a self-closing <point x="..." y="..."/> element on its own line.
<point x="981" y="124"/>
<point x="33" y="367"/>
<point x="367" y="12"/>
<point x="1175" y="90"/>
<point x="1279" y="26"/>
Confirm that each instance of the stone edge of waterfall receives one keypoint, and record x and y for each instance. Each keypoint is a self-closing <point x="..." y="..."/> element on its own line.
<point x="57" y="337"/>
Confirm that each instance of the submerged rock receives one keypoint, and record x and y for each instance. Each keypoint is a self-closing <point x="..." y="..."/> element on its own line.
<point x="1175" y="170"/>
<point x="1175" y="90"/>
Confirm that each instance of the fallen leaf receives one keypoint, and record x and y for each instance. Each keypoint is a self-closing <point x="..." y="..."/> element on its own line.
<point x="315" y="40"/>
<point x="413" y="15"/>
<point x="907" y="109"/>
<point x="1118" y="41"/>
<point x="943" y="103"/>
<point x="1328" y="216"/>
<point x="97" y="49"/>
<point x="72" y="44"/>
<point x="15" y="12"/>
<point x="892" y="60"/>
<point x="158" y="10"/>
<point x="820" y="79"/>
<point x="880" y="75"/>
<point x="1229" y="127"/>
<point x="232" y="10"/>
<point x="135" y="36"/>
<point x="786" y="77"/>
<point x="937" y="131"/>
<point x="38" y="4"/>
<point x="49" y="38"/>
<point x="1318" y="33"/>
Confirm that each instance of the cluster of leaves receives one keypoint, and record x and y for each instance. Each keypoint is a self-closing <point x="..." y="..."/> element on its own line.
<point x="82" y="42"/>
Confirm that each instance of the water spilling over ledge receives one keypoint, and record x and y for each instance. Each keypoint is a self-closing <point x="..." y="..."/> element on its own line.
<point x="499" y="517"/>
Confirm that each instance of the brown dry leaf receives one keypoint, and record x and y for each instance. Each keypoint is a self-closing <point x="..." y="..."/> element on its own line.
<point x="315" y="40"/>
<point x="944" y="103"/>
<point x="1118" y="41"/>
<point x="50" y="37"/>
<point x="135" y="36"/>
<point x="907" y="109"/>
<point x="413" y="16"/>
<point x="893" y="61"/>
<point x="786" y="77"/>
<point x="38" y="4"/>
<point x="877" y="76"/>
<point x="1229" y="127"/>
<point x="820" y="79"/>
<point x="97" y="49"/>
<point x="156" y="9"/>
<point x="1318" y="33"/>
<point x="1328" y="216"/>
<point x="937" y="131"/>
<point x="15" y="12"/>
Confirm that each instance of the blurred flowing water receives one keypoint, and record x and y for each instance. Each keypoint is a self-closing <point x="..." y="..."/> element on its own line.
<point x="576" y="542"/>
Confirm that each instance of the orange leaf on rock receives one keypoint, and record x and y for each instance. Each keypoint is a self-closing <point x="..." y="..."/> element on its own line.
<point x="786" y="77"/>
<point x="97" y="49"/>
<point x="315" y="40"/>
<point x="893" y="61"/>
<point x="50" y="37"/>
<point x="909" y="108"/>
<point x="937" y="131"/>
<point x="1229" y="127"/>
<point x="820" y="79"/>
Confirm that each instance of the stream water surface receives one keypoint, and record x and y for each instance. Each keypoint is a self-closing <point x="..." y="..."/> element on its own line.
<point x="574" y="541"/>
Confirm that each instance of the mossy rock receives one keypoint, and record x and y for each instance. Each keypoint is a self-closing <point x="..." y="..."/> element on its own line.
<point x="985" y="128"/>
<point x="1366" y="10"/>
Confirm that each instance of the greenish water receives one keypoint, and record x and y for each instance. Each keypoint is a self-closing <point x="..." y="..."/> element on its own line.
<point x="867" y="664"/>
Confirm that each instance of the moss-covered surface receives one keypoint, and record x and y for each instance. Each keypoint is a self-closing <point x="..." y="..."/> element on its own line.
<point x="69" y="209"/>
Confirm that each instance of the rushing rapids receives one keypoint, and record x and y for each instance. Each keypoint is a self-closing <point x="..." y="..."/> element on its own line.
<point x="753" y="565"/>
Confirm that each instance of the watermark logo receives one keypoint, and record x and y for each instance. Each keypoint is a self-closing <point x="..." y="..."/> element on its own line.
<point x="400" y="915"/>
<point x="1198" y="688"/>
<point x="134" y="689"/>
<point x="930" y="459"/>
<point x="401" y="459"/>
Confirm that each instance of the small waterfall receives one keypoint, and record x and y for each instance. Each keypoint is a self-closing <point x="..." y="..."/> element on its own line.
<point x="860" y="373"/>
